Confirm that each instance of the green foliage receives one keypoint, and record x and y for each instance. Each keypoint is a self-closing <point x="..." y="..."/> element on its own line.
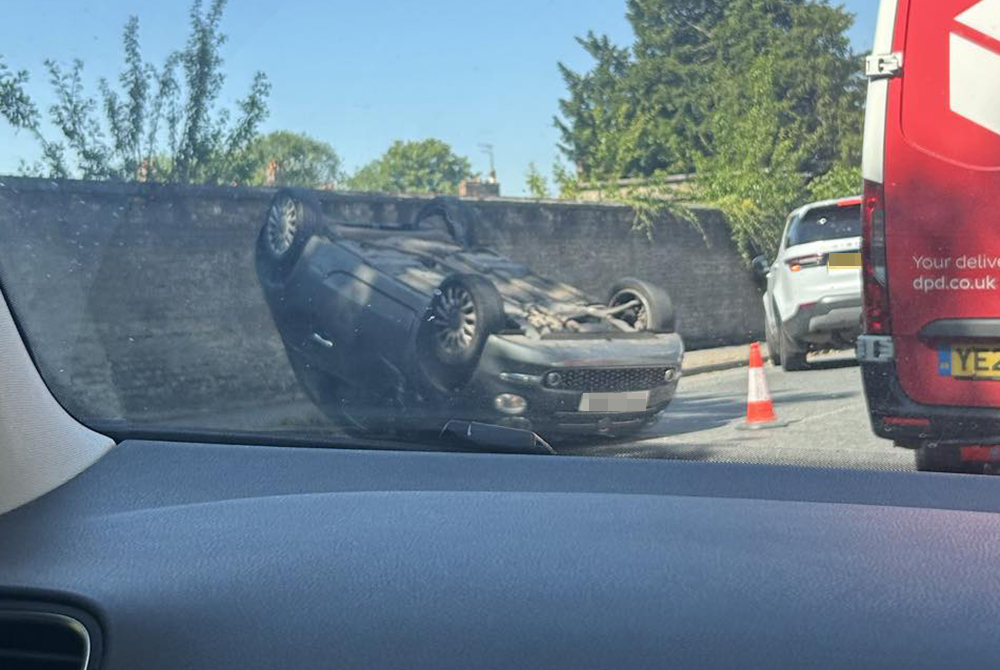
<point x="15" y="105"/>
<point x="426" y="166"/>
<point x="536" y="183"/>
<point x="299" y="159"/>
<point x="73" y="114"/>
<point x="154" y="125"/>
<point x="567" y="182"/>
<point x="598" y="108"/>
<point x="649" y="199"/>
<point x="754" y="95"/>
<point x="639" y="111"/>
<point x="21" y="112"/>
<point x="840" y="182"/>
<point x="753" y="173"/>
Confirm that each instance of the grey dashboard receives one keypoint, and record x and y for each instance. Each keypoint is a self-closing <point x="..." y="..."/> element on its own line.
<point x="202" y="556"/>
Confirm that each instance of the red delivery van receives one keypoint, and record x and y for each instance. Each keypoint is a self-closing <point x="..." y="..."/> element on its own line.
<point x="930" y="352"/>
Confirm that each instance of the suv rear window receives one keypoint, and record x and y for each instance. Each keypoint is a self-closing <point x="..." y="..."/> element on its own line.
<point x="827" y="223"/>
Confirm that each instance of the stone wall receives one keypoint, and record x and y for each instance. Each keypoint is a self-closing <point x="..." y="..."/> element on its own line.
<point x="141" y="300"/>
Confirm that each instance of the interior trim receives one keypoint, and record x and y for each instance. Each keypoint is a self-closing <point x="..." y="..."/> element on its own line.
<point x="41" y="445"/>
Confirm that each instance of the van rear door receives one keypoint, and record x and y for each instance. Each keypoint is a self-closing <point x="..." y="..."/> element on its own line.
<point x="942" y="190"/>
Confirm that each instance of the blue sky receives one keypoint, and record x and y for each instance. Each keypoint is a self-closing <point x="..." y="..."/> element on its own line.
<point x="359" y="74"/>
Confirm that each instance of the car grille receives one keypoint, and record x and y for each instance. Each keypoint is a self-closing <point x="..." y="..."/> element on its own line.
<point x="612" y="379"/>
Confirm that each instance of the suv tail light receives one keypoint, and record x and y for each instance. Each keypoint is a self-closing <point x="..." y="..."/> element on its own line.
<point x="873" y="261"/>
<point x="811" y="261"/>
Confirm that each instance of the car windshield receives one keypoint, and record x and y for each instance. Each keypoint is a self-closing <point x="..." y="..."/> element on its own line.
<point x="828" y="223"/>
<point x="551" y="228"/>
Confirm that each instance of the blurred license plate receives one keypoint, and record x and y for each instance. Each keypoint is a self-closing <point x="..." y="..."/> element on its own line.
<point x="631" y="401"/>
<point x="970" y="361"/>
<point x="844" y="261"/>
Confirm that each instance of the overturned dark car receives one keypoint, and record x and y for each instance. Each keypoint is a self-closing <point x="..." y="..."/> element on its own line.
<point x="406" y="327"/>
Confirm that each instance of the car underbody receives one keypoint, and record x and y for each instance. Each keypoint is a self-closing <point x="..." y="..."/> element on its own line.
<point x="404" y="329"/>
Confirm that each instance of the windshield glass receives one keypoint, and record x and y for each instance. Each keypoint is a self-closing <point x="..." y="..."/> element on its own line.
<point x="449" y="225"/>
<point x="828" y="223"/>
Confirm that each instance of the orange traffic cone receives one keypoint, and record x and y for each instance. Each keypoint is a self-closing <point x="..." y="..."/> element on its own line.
<point x="760" y="407"/>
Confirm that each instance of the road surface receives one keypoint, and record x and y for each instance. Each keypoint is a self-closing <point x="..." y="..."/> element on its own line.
<point x="825" y="408"/>
<point x="824" y="405"/>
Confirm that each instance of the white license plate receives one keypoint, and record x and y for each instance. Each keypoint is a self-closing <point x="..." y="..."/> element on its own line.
<point x="630" y="401"/>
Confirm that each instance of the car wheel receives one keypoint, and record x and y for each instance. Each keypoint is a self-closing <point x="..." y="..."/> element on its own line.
<point x="793" y="356"/>
<point x="464" y="311"/>
<point x="292" y="218"/>
<point x="650" y="306"/>
<point x="773" y="344"/>
<point x="458" y="217"/>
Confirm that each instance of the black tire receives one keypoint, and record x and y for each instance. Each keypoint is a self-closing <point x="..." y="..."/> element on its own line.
<point x="459" y="217"/>
<point x="793" y="356"/>
<point x="655" y="312"/>
<point x="773" y="343"/>
<point x="292" y="218"/>
<point x="464" y="311"/>
<point x="944" y="459"/>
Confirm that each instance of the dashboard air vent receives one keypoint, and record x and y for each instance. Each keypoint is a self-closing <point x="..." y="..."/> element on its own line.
<point x="42" y="641"/>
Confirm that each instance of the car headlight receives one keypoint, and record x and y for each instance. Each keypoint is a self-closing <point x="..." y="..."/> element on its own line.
<point x="510" y="403"/>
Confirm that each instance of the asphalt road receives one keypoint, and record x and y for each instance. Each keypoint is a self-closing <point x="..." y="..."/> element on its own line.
<point x="825" y="408"/>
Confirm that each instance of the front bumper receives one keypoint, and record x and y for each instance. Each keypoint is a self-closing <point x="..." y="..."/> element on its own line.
<point x="829" y="317"/>
<point x="886" y="398"/>
<point x="519" y="365"/>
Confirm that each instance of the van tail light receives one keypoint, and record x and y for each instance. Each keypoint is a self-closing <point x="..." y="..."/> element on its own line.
<point x="811" y="261"/>
<point x="873" y="261"/>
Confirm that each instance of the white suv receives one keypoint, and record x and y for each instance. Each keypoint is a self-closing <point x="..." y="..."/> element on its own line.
<point x="813" y="296"/>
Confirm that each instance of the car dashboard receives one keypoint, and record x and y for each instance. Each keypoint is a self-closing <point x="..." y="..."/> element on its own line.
<point x="225" y="556"/>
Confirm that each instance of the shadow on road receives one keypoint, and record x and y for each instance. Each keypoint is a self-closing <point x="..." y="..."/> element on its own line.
<point x="696" y="413"/>
<point x="687" y="414"/>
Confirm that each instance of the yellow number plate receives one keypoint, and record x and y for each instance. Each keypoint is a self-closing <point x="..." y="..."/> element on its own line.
<point x="844" y="261"/>
<point x="970" y="361"/>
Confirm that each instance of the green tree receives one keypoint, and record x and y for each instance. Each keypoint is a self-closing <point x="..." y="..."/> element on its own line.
<point x="157" y="124"/>
<point x="640" y="110"/>
<point x="426" y="166"/>
<point x="650" y="107"/>
<point x="15" y="105"/>
<point x="298" y="159"/>
<point x="781" y="135"/>
<point x="753" y="174"/>
<point x="841" y="181"/>
<point x="536" y="183"/>
<point x="681" y="97"/>
<point x="21" y="113"/>
<point x="597" y="107"/>
<point x="567" y="182"/>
